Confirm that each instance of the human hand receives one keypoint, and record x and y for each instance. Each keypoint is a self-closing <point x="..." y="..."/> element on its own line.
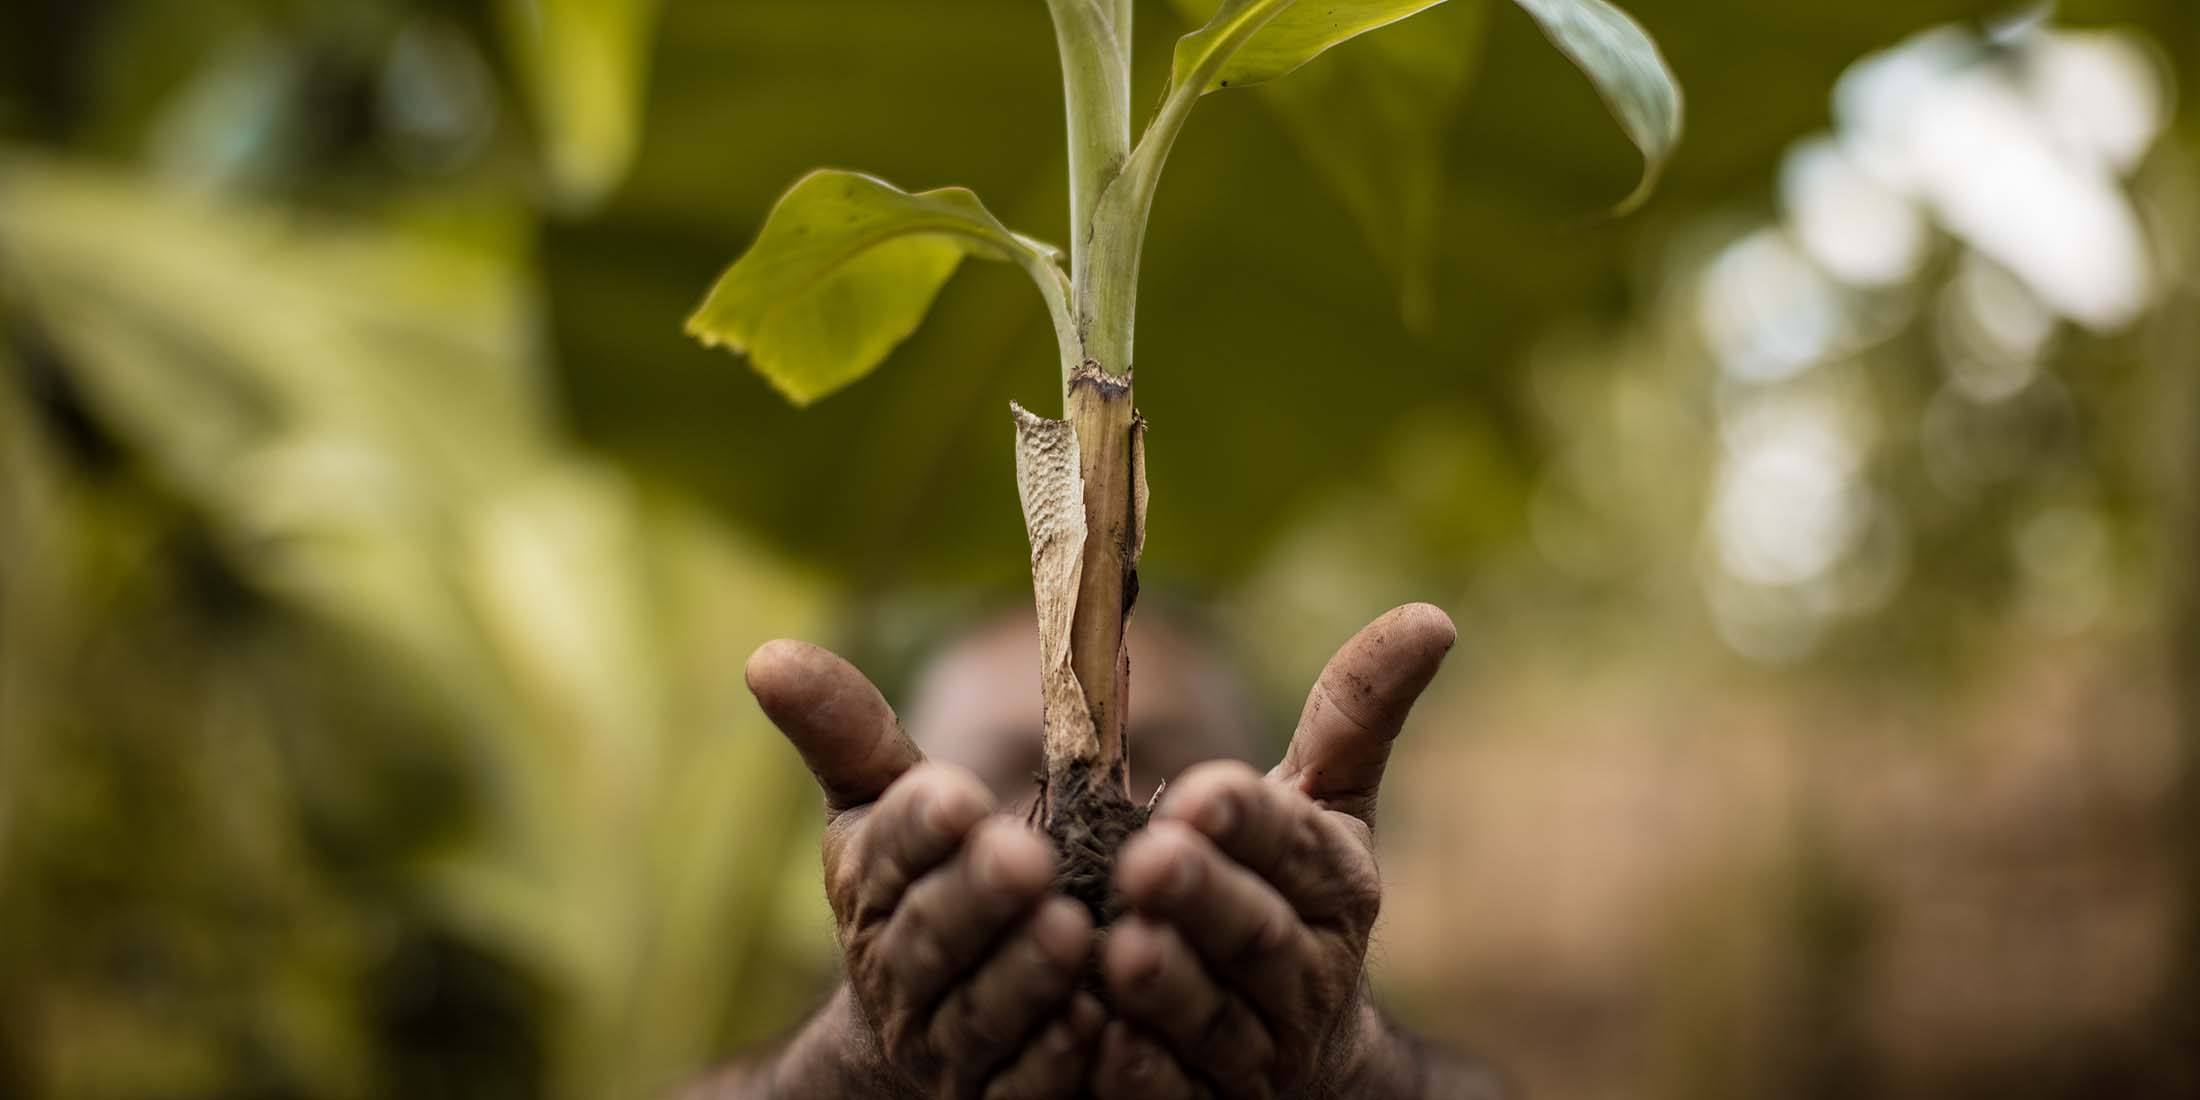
<point x="1238" y="973"/>
<point x="962" y="966"/>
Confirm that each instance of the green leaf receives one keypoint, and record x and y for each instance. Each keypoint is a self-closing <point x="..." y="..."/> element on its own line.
<point x="584" y="67"/>
<point x="1263" y="39"/>
<point x="1371" y="121"/>
<point x="1619" y="58"/>
<point x="845" y="269"/>
<point x="1251" y="41"/>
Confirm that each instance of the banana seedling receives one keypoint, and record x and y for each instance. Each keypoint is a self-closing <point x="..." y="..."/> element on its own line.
<point x="846" y="266"/>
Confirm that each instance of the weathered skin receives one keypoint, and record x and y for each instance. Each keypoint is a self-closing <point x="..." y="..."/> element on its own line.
<point x="1238" y="971"/>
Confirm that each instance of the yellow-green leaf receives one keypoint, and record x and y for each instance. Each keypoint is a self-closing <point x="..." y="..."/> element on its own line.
<point x="843" y="271"/>
<point x="1273" y="37"/>
<point x="1623" y="62"/>
<point x="1251" y="41"/>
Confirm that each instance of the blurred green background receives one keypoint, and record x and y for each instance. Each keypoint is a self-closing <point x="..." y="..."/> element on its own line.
<point x="377" y="558"/>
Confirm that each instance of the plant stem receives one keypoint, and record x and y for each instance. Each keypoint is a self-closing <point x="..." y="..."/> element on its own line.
<point x="1093" y="38"/>
<point x="1086" y="805"/>
<point x="1087" y="778"/>
<point x="1100" y="412"/>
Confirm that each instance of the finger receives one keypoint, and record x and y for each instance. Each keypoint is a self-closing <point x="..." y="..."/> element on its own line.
<point x="950" y="918"/>
<point x="921" y="821"/>
<point x="1319" y="861"/>
<point x="985" y="1019"/>
<point x="1360" y="702"/>
<point x="840" y="724"/>
<point x="1156" y="981"/>
<point x="1133" y="1066"/>
<point x="1054" y="1064"/>
<point x="1245" y="933"/>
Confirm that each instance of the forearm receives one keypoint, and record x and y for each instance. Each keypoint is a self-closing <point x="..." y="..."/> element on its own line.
<point x="833" y="1054"/>
<point x="1386" y="1062"/>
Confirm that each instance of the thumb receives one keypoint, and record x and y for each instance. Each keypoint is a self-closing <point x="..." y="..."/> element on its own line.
<point x="1359" y="703"/>
<point x="840" y="724"/>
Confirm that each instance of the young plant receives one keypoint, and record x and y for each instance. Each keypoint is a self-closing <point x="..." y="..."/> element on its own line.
<point x="846" y="266"/>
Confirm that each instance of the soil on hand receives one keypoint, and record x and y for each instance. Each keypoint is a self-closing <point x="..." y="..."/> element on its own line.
<point x="1091" y="818"/>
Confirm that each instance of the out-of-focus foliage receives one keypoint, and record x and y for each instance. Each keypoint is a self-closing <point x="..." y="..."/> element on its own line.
<point x="354" y="425"/>
<point x="1371" y="121"/>
<point x="377" y="558"/>
<point x="584" y="67"/>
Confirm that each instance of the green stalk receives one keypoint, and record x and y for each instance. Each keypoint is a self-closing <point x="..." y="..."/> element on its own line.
<point x="1086" y="805"/>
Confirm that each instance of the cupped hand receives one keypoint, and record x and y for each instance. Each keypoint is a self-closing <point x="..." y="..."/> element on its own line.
<point x="963" y="965"/>
<point x="1238" y="973"/>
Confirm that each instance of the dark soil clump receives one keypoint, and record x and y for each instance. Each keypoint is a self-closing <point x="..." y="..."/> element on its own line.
<point x="1091" y="819"/>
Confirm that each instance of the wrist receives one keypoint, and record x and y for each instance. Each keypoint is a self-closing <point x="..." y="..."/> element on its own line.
<point x="838" y="1054"/>
<point x="1374" y="1059"/>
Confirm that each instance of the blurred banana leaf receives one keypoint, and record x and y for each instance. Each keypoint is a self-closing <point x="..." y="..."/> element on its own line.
<point x="1371" y="119"/>
<point x="358" y="418"/>
<point x="584" y="66"/>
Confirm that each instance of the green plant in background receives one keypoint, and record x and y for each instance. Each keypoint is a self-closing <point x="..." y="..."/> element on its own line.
<point x="847" y="265"/>
<point x="356" y="422"/>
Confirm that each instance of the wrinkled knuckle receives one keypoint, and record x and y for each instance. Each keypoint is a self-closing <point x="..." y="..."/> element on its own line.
<point x="1303" y="841"/>
<point x="1359" y="832"/>
<point x="873" y="1003"/>
<point x="844" y="881"/>
<point x="922" y="955"/>
<point x="1266" y="939"/>
<point x="949" y="1033"/>
<point x="1226" y="1041"/>
<point x="989" y="1031"/>
<point x="906" y="1044"/>
<point x="1363" y="896"/>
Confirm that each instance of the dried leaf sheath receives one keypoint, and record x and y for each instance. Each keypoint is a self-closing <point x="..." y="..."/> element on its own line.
<point x="1082" y="484"/>
<point x="1047" y="481"/>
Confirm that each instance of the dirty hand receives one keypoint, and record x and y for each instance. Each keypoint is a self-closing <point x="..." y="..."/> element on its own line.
<point x="1238" y="972"/>
<point x="962" y="966"/>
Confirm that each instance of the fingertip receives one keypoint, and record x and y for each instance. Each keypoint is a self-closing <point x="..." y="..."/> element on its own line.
<point x="954" y="800"/>
<point x="834" y="717"/>
<point x="1425" y="623"/>
<point x="1133" y="955"/>
<point x="1117" y="1044"/>
<point x="1158" y="864"/>
<point x="1141" y="1056"/>
<point x="942" y="802"/>
<point x="1061" y="1039"/>
<point x="1207" y="796"/>
<point x="1063" y="931"/>
<point x="1370" y="685"/>
<point x="774" y="671"/>
<point x="1086" y="1016"/>
<point x="1394" y="657"/>
<point x="1010" y="858"/>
